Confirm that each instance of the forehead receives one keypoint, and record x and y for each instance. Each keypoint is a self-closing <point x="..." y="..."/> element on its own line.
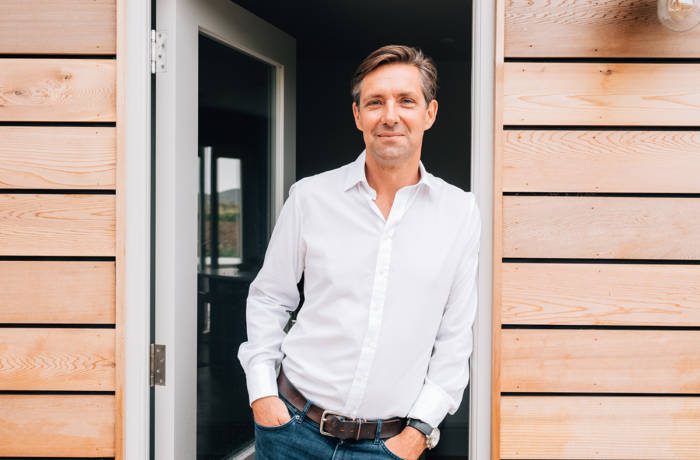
<point x="391" y="79"/>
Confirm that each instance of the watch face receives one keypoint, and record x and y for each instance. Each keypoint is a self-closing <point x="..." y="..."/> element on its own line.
<point x="433" y="438"/>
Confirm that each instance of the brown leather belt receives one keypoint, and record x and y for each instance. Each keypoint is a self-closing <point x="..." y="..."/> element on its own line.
<point x="337" y="425"/>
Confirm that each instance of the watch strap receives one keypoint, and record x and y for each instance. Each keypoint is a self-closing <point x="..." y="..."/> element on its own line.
<point x="420" y="425"/>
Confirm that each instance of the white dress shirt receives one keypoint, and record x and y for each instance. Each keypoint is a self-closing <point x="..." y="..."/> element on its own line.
<point x="385" y="329"/>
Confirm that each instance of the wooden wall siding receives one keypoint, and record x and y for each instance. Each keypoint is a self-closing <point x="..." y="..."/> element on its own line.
<point x="44" y="292"/>
<point x="580" y="93"/>
<point x="57" y="359"/>
<point x="575" y="427"/>
<point x="601" y="161"/>
<point x="594" y="294"/>
<point x="57" y="225"/>
<point x="599" y="361"/>
<point x="57" y="425"/>
<point x="61" y="230"/>
<point x="57" y="90"/>
<point x="601" y="227"/>
<point x="58" y="26"/>
<point x="57" y="157"/>
<point x="585" y="28"/>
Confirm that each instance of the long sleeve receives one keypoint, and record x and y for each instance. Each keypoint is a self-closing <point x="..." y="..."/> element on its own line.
<point x="273" y="294"/>
<point x="448" y="371"/>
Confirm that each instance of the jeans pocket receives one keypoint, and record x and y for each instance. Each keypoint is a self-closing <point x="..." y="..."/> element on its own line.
<point x="276" y="427"/>
<point x="294" y="417"/>
<point x="388" y="452"/>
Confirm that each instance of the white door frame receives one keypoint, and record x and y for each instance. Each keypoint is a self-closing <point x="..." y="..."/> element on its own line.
<point x="482" y="149"/>
<point x="176" y="111"/>
<point x="136" y="21"/>
<point x="134" y="26"/>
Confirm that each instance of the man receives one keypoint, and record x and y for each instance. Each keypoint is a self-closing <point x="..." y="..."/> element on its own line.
<point x="379" y="352"/>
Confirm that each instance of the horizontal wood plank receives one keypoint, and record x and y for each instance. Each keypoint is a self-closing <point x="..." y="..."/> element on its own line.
<point x="61" y="292"/>
<point x="601" y="227"/>
<point x="601" y="161"/>
<point x="57" y="425"/>
<point x="57" y="359"/>
<point x="57" y="225"/>
<point x="606" y="361"/>
<point x="57" y="157"/>
<point x="603" y="28"/>
<point x="595" y="294"/>
<point x="57" y="90"/>
<point x="556" y="93"/>
<point x="575" y="427"/>
<point x="58" y="27"/>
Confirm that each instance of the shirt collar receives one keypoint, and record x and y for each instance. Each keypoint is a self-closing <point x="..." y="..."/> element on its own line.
<point x="356" y="174"/>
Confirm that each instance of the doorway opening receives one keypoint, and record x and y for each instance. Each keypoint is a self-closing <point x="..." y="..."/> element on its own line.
<point x="234" y="226"/>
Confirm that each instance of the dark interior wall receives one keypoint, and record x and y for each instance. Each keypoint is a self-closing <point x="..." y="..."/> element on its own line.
<point x="326" y="133"/>
<point x="332" y="39"/>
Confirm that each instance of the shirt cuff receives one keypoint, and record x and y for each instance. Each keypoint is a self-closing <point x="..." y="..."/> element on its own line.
<point x="432" y="404"/>
<point x="261" y="380"/>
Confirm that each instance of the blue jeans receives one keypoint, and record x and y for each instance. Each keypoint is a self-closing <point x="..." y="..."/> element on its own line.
<point x="300" y="439"/>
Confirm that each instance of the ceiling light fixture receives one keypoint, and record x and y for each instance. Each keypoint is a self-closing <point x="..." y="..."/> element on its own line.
<point x="679" y="15"/>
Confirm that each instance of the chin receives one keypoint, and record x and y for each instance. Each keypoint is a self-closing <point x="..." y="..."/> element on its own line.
<point x="391" y="155"/>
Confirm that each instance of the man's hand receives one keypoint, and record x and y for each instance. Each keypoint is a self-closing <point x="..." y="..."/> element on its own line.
<point x="270" y="411"/>
<point x="408" y="444"/>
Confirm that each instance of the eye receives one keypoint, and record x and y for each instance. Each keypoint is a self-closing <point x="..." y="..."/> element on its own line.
<point x="373" y="102"/>
<point x="407" y="101"/>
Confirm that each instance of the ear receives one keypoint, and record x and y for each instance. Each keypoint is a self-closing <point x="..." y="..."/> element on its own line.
<point x="431" y="114"/>
<point x="356" y="115"/>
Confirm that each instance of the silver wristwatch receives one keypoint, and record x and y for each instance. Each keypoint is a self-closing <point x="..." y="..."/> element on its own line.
<point x="432" y="435"/>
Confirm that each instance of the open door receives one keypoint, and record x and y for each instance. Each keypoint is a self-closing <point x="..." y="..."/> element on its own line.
<point x="225" y="156"/>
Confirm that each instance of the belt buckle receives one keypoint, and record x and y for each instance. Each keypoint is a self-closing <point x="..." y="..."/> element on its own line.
<point x="323" y="421"/>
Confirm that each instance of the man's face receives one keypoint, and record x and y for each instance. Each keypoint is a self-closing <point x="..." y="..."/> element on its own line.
<point x="392" y="113"/>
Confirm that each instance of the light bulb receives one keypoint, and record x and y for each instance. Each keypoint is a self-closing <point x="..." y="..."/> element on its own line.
<point x="679" y="15"/>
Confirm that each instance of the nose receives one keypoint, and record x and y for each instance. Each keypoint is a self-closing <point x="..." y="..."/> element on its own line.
<point x="389" y="115"/>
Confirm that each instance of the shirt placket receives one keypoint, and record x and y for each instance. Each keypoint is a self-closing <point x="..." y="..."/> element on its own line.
<point x="376" y="304"/>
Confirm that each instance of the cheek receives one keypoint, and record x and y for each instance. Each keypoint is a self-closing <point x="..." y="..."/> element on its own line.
<point x="367" y="123"/>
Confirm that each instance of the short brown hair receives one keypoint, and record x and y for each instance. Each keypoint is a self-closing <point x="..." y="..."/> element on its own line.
<point x="397" y="54"/>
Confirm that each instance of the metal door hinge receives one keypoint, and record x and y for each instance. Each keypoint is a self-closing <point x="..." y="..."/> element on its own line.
<point x="157" y="51"/>
<point x="157" y="362"/>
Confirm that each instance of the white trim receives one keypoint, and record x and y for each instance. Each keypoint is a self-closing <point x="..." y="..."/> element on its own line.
<point x="483" y="55"/>
<point x="137" y="190"/>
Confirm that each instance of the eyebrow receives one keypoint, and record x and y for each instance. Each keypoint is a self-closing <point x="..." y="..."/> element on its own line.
<point x="379" y="96"/>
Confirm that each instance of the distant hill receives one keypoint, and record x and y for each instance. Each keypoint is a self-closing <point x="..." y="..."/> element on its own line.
<point x="230" y="197"/>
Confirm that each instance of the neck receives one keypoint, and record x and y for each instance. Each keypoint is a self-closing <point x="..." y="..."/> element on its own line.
<point x="387" y="179"/>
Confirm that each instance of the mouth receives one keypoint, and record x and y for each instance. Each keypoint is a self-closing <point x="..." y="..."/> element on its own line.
<point x="389" y="135"/>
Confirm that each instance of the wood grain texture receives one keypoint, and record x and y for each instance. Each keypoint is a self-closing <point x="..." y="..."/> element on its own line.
<point x="575" y="427"/>
<point x="57" y="90"/>
<point x="496" y="233"/>
<point x="601" y="227"/>
<point x="57" y="425"/>
<point x="606" y="361"/>
<point x="57" y="27"/>
<point x="602" y="161"/>
<point x="57" y="359"/>
<point x="57" y="292"/>
<point x="57" y="225"/>
<point x="584" y="28"/>
<point x="592" y="294"/>
<point x="122" y="67"/>
<point x="57" y="157"/>
<point x="555" y="93"/>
